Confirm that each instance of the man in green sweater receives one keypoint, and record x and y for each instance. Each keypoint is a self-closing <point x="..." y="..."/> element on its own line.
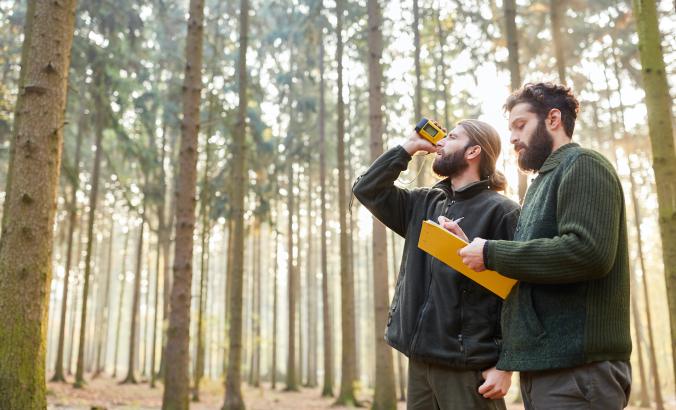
<point x="566" y="323"/>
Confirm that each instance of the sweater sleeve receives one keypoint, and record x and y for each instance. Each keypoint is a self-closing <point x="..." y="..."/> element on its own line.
<point x="589" y="209"/>
<point x="375" y="189"/>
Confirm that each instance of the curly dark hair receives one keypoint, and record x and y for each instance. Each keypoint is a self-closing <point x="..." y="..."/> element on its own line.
<point x="543" y="97"/>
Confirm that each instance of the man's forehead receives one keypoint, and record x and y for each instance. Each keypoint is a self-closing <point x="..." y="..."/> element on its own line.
<point x="521" y="111"/>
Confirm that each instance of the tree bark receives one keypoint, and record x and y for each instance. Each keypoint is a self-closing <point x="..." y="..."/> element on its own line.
<point x="557" y="13"/>
<point x="327" y="388"/>
<point x="135" y="305"/>
<point x="120" y="301"/>
<point x="385" y="392"/>
<point x="509" y="7"/>
<point x="72" y="221"/>
<point x="30" y="202"/>
<point x="177" y="382"/>
<point x="658" y="104"/>
<point x="93" y="199"/>
<point x="233" y="393"/>
<point x="291" y="380"/>
<point x="348" y="374"/>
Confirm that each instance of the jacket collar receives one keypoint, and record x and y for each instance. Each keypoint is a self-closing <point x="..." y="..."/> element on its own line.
<point x="555" y="158"/>
<point x="465" y="192"/>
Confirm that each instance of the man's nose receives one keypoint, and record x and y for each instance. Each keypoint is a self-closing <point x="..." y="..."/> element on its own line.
<point x="513" y="139"/>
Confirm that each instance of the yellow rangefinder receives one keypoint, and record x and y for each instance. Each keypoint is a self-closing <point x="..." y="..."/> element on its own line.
<point x="430" y="131"/>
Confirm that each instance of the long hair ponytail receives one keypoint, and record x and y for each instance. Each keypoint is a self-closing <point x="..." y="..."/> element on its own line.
<point x="485" y="136"/>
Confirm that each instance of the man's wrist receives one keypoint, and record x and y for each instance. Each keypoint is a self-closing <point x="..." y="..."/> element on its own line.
<point x="410" y="147"/>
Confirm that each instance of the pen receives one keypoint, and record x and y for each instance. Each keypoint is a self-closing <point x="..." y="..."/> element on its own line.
<point x="459" y="219"/>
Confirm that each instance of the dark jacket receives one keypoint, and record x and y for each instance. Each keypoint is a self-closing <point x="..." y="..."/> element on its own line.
<point x="438" y="315"/>
<point x="571" y="257"/>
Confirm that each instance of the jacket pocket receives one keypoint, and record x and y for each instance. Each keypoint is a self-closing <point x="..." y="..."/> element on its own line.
<point x="529" y="314"/>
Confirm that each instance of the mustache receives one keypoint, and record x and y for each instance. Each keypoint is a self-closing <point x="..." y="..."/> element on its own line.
<point x="520" y="145"/>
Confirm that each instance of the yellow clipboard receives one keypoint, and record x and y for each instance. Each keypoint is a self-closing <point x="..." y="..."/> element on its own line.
<point x="444" y="245"/>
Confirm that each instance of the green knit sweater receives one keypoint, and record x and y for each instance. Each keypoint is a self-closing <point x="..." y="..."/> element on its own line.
<point x="570" y="255"/>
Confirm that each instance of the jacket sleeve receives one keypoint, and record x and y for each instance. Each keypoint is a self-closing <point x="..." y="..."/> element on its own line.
<point x="375" y="189"/>
<point x="589" y="215"/>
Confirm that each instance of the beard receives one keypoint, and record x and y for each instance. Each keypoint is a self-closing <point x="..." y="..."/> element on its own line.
<point x="536" y="152"/>
<point x="451" y="165"/>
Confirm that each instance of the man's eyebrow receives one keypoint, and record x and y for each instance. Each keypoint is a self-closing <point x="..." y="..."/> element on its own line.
<point x="521" y="117"/>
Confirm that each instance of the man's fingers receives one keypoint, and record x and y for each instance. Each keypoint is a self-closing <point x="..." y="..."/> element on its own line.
<point x="486" y="387"/>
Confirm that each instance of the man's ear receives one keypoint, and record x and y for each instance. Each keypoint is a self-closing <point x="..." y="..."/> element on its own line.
<point x="473" y="152"/>
<point x="553" y="119"/>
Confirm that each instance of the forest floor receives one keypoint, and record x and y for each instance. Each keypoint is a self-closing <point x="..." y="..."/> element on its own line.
<point x="106" y="393"/>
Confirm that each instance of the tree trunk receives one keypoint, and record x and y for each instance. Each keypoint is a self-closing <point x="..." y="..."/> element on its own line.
<point x="135" y="306"/>
<point x="327" y="388"/>
<point x="120" y="301"/>
<point x="659" y="402"/>
<point x="348" y="374"/>
<point x="385" y="392"/>
<point x="311" y="309"/>
<point x="401" y="369"/>
<point x="93" y="199"/>
<point x="30" y="202"/>
<point x="204" y="267"/>
<point x="102" y="344"/>
<point x="557" y="13"/>
<point x="72" y="221"/>
<point x="514" y="69"/>
<point x="658" y="104"/>
<point x="291" y="382"/>
<point x="177" y="382"/>
<point x="273" y="371"/>
<point x="233" y="392"/>
<point x="418" y="160"/>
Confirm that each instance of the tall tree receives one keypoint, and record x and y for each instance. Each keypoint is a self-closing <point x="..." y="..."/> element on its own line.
<point x="177" y="381"/>
<point x="136" y="303"/>
<point x="233" y="380"/>
<point x="349" y="350"/>
<point x="385" y="392"/>
<point x="120" y="300"/>
<point x="30" y="202"/>
<point x="72" y="221"/>
<point x="291" y="379"/>
<point x="556" y="15"/>
<point x="509" y="8"/>
<point x="204" y="267"/>
<point x="93" y="199"/>
<point x="327" y="387"/>
<point x="658" y="103"/>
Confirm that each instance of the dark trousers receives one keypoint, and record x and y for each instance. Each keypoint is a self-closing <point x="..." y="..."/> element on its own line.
<point x="600" y="385"/>
<point x="432" y="387"/>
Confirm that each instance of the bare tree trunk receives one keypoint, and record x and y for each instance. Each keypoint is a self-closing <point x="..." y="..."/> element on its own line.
<point x="327" y="388"/>
<point x="131" y="377"/>
<point x="105" y="316"/>
<point x="291" y="382"/>
<point x="557" y="13"/>
<point x="93" y="199"/>
<point x="658" y="103"/>
<point x="120" y="301"/>
<point x="273" y="371"/>
<point x="30" y="202"/>
<point x="233" y="393"/>
<point x="72" y="221"/>
<point x="659" y="402"/>
<point x="509" y="7"/>
<point x="204" y="268"/>
<point x="311" y="310"/>
<point x="385" y="391"/>
<point x="177" y="382"/>
<point x="418" y="160"/>
<point x="401" y="369"/>
<point x="348" y="374"/>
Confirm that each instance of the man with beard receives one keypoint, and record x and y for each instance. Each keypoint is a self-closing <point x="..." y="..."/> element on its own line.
<point x="566" y="323"/>
<point x="446" y="324"/>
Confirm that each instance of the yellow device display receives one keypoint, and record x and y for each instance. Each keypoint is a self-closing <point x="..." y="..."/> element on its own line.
<point x="430" y="131"/>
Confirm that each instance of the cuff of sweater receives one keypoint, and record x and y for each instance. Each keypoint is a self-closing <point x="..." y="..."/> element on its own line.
<point x="489" y="254"/>
<point x="401" y="151"/>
